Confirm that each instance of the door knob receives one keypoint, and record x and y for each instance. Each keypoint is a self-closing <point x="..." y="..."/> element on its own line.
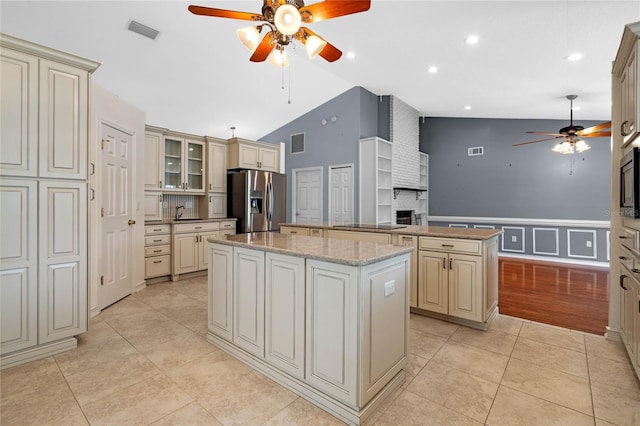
<point x="131" y="222"/>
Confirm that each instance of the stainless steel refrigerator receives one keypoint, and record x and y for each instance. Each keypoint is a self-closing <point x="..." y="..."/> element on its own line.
<point x="257" y="199"/>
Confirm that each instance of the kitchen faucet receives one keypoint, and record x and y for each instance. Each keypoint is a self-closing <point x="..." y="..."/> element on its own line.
<point x="178" y="212"/>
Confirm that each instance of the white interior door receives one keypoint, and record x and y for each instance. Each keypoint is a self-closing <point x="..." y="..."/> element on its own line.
<point x="307" y="194"/>
<point x="116" y="212"/>
<point x="341" y="194"/>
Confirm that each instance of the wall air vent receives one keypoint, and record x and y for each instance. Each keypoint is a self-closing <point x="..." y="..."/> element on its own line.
<point x="476" y="150"/>
<point x="297" y="143"/>
<point x="143" y="30"/>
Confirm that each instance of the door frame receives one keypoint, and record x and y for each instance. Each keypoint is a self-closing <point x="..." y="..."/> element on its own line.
<point x="294" y="190"/>
<point x="353" y="201"/>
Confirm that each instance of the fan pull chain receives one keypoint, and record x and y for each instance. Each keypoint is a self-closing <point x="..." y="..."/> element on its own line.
<point x="289" y="86"/>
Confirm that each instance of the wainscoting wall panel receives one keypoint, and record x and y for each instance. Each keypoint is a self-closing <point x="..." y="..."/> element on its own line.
<point x="584" y="242"/>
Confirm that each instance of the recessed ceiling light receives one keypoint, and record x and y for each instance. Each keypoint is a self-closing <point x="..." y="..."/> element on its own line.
<point x="433" y="69"/>
<point x="574" y="57"/>
<point x="472" y="39"/>
<point x="351" y="55"/>
<point x="467" y="107"/>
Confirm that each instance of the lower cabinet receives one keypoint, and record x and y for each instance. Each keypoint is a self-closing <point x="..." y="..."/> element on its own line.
<point x="410" y="241"/>
<point x="458" y="278"/>
<point x="190" y="245"/>
<point x="374" y="237"/>
<point x="248" y="300"/>
<point x="630" y="315"/>
<point x="220" y="293"/>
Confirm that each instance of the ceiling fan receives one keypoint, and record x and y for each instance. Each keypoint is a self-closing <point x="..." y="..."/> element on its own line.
<point x="283" y="19"/>
<point x="572" y="135"/>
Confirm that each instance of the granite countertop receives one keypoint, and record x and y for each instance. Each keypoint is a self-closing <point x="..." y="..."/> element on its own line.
<point x="346" y="252"/>
<point x="421" y="231"/>
<point x="174" y="222"/>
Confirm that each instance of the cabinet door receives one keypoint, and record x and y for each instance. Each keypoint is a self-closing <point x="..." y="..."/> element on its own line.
<point x="173" y="164"/>
<point x="153" y="161"/>
<point x="626" y="311"/>
<point x="629" y="82"/>
<point x="433" y="273"/>
<point x="62" y="276"/>
<point x="217" y="206"/>
<point x="194" y="166"/>
<point x="203" y="253"/>
<point x="248" y="156"/>
<point x="185" y="253"/>
<point x="18" y="113"/>
<point x="152" y="206"/>
<point x="269" y="160"/>
<point x="248" y="300"/>
<point x="220" y="281"/>
<point x="465" y="286"/>
<point x="332" y="327"/>
<point x="284" y="313"/>
<point x="64" y="117"/>
<point x="217" y="168"/>
<point x="18" y="265"/>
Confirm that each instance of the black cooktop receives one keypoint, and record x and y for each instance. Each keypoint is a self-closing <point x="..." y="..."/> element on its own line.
<point x="370" y="226"/>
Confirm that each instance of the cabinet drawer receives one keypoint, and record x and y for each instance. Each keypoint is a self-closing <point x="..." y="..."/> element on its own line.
<point x="157" y="250"/>
<point x="157" y="229"/>
<point x="196" y="227"/>
<point x="315" y="232"/>
<point x="157" y="240"/>
<point x="228" y="224"/>
<point x="156" y="266"/>
<point x="228" y="232"/>
<point x="294" y="230"/>
<point x="450" y="245"/>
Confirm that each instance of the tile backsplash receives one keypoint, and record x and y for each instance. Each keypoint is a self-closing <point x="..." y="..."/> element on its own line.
<point x="191" y="205"/>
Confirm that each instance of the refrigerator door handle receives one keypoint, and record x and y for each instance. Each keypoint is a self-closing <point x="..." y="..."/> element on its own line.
<point x="269" y="209"/>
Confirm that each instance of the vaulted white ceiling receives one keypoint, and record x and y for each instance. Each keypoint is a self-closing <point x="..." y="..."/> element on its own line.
<point x="197" y="78"/>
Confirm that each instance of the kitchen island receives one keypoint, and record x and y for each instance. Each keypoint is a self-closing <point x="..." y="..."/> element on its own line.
<point x="454" y="271"/>
<point x="326" y="318"/>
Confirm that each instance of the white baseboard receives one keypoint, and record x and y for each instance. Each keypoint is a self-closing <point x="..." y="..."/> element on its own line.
<point x="37" y="352"/>
<point x="556" y="260"/>
<point x="140" y="286"/>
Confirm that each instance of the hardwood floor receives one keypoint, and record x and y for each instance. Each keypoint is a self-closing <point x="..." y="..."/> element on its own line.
<point x="571" y="296"/>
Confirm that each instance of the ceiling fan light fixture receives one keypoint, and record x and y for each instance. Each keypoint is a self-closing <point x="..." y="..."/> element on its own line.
<point x="287" y="19"/>
<point x="249" y="37"/>
<point x="279" y="58"/>
<point x="582" y="146"/>
<point x="563" y="148"/>
<point x="314" y="45"/>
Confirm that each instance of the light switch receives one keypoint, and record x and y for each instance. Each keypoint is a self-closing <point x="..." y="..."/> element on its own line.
<point x="189" y="204"/>
<point x="389" y="288"/>
<point x="588" y="244"/>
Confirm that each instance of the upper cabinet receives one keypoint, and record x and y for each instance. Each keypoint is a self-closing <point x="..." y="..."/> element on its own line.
<point x="184" y="165"/>
<point x="153" y="160"/>
<point x="629" y="86"/>
<point x="245" y="154"/>
<point x="217" y="166"/>
<point x="44" y="112"/>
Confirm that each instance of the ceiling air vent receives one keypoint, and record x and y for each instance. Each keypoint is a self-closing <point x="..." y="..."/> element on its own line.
<point x="297" y="143"/>
<point x="476" y="150"/>
<point x="143" y="30"/>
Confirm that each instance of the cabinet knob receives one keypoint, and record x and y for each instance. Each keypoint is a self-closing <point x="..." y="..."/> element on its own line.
<point x="131" y="222"/>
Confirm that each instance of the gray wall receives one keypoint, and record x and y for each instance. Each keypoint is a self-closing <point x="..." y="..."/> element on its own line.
<point x="529" y="181"/>
<point x="333" y="143"/>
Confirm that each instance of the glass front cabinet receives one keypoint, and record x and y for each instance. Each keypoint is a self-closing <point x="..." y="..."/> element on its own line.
<point x="184" y="165"/>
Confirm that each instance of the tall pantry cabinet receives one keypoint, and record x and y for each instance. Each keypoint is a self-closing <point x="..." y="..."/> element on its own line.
<point x="44" y="122"/>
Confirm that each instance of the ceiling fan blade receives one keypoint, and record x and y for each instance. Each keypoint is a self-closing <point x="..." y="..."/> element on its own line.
<point x="596" y="128"/>
<point x="541" y="140"/>
<point x="332" y="9"/>
<point x="596" y="135"/>
<point x="264" y="48"/>
<point x="329" y="52"/>
<point x="223" y="13"/>
<point x="545" y="133"/>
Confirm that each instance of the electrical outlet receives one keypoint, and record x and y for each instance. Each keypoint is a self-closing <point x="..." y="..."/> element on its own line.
<point x="188" y="204"/>
<point x="514" y="239"/>
<point x="588" y="244"/>
<point x="389" y="288"/>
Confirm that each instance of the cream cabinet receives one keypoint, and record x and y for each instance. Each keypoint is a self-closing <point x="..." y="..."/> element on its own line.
<point x="630" y="97"/>
<point x="153" y="160"/>
<point x="248" y="300"/>
<point x="630" y="313"/>
<point x="190" y="252"/>
<point x="44" y="100"/>
<point x="184" y="165"/>
<point x="245" y="154"/>
<point x="216" y="188"/>
<point x="458" y="278"/>
<point x="284" y="313"/>
<point x="220" y="291"/>
<point x="298" y="230"/>
<point x="152" y="205"/>
<point x="376" y="189"/>
<point x="157" y="250"/>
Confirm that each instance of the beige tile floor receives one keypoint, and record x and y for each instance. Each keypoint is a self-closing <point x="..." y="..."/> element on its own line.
<point x="145" y="360"/>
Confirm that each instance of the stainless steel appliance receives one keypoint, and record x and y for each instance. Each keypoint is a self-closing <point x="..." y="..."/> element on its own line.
<point x="257" y="199"/>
